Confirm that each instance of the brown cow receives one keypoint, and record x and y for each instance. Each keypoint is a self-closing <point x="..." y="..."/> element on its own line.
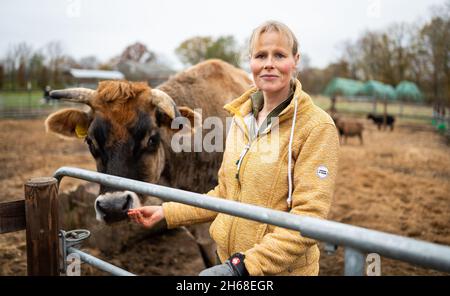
<point x="128" y="130"/>
<point x="348" y="127"/>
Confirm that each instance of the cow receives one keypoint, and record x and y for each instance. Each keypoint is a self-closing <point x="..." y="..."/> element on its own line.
<point x="348" y="127"/>
<point x="379" y="120"/>
<point x="128" y="130"/>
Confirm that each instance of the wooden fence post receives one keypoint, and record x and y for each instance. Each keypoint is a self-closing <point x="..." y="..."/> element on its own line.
<point x="41" y="210"/>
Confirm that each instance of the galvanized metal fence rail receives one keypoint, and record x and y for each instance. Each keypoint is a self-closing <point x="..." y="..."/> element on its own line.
<point x="100" y="264"/>
<point x="70" y="242"/>
<point x="356" y="240"/>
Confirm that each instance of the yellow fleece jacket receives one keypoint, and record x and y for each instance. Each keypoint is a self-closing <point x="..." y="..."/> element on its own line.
<point x="262" y="180"/>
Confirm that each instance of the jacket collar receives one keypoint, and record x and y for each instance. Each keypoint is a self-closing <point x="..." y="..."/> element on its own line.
<point x="243" y="104"/>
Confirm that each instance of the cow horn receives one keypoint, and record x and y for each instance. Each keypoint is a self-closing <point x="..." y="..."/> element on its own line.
<point x="77" y="95"/>
<point x="163" y="101"/>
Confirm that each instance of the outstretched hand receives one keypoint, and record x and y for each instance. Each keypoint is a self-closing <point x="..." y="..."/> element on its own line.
<point x="146" y="216"/>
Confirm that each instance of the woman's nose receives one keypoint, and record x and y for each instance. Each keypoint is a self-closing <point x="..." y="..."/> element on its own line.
<point x="268" y="64"/>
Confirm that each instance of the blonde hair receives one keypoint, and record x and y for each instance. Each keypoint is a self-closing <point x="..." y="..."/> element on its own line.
<point x="274" y="26"/>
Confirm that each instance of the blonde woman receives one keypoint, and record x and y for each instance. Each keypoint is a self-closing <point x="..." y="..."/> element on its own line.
<point x="298" y="177"/>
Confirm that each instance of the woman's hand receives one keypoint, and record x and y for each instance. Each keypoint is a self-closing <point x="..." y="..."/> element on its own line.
<point x="146" y="216"/>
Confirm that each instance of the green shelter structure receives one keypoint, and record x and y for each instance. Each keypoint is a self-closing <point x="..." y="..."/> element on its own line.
<point x="408" y="91"/>
<point x="341" y="87"/>
<point x="378" y="90"/>
<point x="390" y="93"/>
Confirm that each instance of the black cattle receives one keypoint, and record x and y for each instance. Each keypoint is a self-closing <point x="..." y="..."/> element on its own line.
<point x="378" y="120"/>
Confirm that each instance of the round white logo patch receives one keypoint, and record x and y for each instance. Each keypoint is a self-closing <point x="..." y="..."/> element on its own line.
<point x="322" y="172"/>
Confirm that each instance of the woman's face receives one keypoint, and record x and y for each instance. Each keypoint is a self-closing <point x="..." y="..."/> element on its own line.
<point x="272" y="62"/>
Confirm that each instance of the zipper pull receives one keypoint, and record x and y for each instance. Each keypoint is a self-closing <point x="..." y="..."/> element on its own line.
<point x="239" y="161"/>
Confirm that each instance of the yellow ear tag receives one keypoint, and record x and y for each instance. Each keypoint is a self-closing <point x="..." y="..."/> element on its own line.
<point x="81" y="131"/>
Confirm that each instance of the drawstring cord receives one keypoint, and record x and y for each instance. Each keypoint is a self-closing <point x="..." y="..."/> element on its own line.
<point x="291" y="138"/>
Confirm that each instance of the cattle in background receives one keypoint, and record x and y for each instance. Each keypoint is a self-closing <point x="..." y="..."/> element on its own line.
<point x="379" y="119"/>
<point x="128" y="130"/>
<point x="348" y="127"/>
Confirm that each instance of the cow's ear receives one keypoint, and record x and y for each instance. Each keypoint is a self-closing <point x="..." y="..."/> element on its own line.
<point x="194" y="117"/>
<point x="71" y="123"/>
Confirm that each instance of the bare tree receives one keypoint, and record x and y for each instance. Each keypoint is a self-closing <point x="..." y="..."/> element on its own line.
<point x="22" y="75"/>
<point x="2" y="75"/>
<point x="17" y="64"/>
<point x="197" y="49"/>
<point x="194" y="50"/>
<point x="137" y="52"/>
<point x="89" y="62"/>
<point x="401" y="38"/>
<point x="436" y="36"/>
<point x="55" y="57"/>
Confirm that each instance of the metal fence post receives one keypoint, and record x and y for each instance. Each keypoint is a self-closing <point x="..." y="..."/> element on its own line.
<point x="354" y="262"/>
<point x="41" y="210"/>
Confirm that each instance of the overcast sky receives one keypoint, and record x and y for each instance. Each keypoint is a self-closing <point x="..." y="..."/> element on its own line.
<point x="105" y="27"/>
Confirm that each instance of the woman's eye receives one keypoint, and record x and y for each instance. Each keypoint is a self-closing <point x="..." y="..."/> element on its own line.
<point x="279" y="55"/>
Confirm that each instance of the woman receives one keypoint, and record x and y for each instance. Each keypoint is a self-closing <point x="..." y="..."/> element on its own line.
<point x="282" y="153"/>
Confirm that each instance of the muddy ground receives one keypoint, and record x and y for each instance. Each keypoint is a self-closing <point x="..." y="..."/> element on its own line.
<point x="398" y="182"/>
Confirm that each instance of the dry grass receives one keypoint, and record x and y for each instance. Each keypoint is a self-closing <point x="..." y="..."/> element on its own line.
<point x="397" y="182"/>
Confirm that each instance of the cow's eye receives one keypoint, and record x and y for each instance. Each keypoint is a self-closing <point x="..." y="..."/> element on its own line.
<point x="88" y="141"/>
<point x="91" y="146"/>
<point x="152" y="143"/>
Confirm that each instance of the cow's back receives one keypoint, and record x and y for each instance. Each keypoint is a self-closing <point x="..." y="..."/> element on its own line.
<point x="207" y="86"/>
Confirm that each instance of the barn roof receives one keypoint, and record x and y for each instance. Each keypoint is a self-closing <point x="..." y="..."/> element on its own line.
<point x="95" y="74"/>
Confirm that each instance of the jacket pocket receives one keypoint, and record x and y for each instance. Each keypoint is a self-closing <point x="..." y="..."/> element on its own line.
<point x="219" y="230"/>
<point x="306" y="264"/>
<point x="312" y="255"/>
<point x="298" y="265"/>
<point x="261" y="231"/>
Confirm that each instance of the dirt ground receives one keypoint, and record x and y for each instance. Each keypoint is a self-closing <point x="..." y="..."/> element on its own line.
<point x="398" y="182"/>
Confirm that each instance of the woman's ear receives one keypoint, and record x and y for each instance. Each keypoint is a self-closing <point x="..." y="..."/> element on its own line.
<point x="297" y="59"/>
<point x="295" y="66"/>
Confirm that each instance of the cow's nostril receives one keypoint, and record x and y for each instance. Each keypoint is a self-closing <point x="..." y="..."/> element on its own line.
<point x="101" y="206"/>
<point x="127" y="204"/>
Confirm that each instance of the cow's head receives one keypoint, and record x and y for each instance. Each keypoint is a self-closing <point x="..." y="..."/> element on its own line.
<point x="126" y="128"/>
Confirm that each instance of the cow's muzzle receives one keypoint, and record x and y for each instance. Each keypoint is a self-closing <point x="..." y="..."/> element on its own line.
<point x="113" y="206"/>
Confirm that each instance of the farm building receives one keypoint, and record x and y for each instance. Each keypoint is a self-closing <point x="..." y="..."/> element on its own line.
<point x="90" y="78"/>
<point x="153" y="73"/>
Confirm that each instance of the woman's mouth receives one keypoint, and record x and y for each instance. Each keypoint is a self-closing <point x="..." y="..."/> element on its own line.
<point x="269" y="77"/>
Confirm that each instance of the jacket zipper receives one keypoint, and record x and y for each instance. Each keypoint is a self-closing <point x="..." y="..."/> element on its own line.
<point x="247" y="148"/>
<point x="238" y="191"/>
<point x="241" y="158"/>
<point x="239" y="163"/>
